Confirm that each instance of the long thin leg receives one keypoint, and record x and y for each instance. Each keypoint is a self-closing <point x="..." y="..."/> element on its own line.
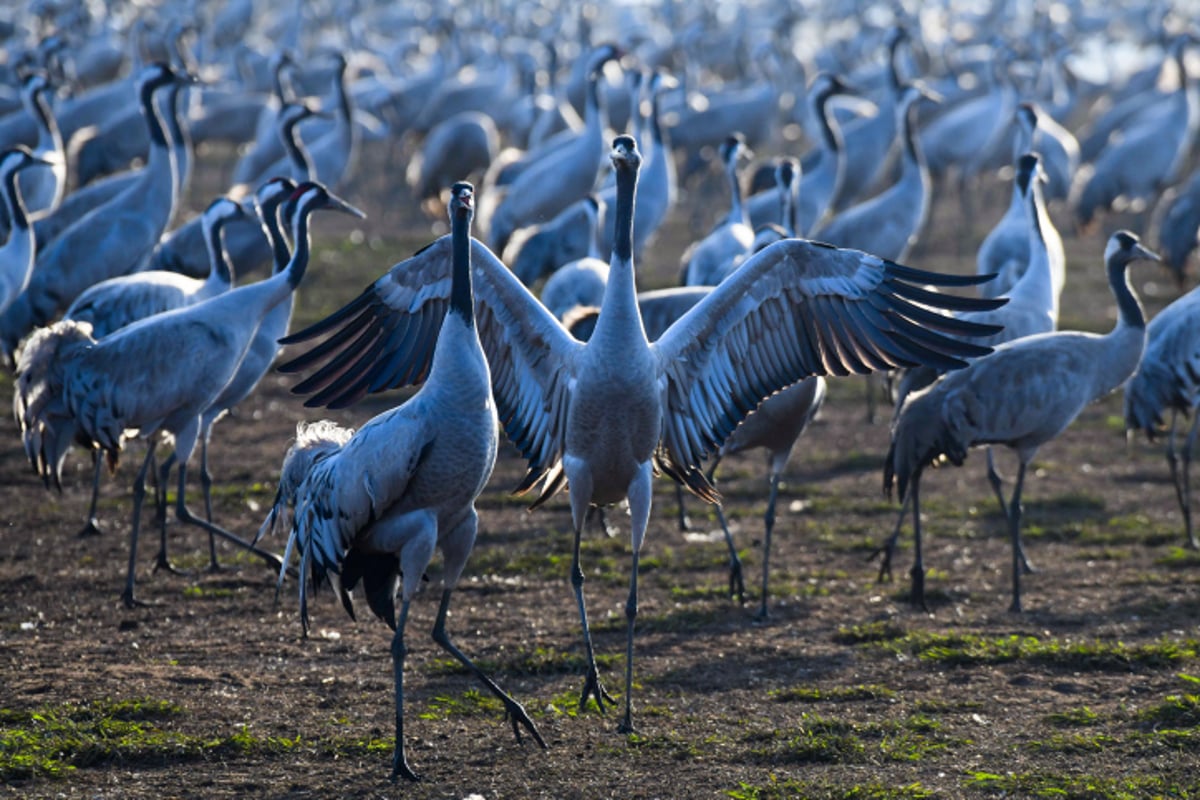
<point x="514" y="711"/>
<point x="998" y="487"/>
<point x="182" y="513"/>
<point x="1014" y="527"/>
<point x="888" y="549"/>
<point x="91" y="527"/>
<point x="160" y="500"/>
<point x="640" y="493"/>
<point x="592" y="687"/>
<point x="399" y="652"/>
<point x="737" y="585"/>
<point x="1186" y="487"/>
<point x="918" y="567"/>
<point x="139" y="494"/>
<point x="206" y="487"/>
<point x="685" y="524"/>
<point x="769" y="523"/>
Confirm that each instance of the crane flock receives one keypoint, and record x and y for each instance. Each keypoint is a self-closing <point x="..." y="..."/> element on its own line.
<point x="590" y="154"/>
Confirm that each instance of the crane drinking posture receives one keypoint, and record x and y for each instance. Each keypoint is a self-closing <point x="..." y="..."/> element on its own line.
<point x="603" y="416"/>
<point x="374" y="506"/>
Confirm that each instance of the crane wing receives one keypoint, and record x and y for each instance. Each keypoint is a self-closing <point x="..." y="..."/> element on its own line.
<point x="795" y="309"/>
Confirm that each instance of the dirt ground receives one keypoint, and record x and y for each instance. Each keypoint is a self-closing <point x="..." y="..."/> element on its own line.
<point x="845" y="691"/>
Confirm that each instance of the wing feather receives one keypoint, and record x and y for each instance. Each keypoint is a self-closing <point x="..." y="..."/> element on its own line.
<point x="795" y="309"/>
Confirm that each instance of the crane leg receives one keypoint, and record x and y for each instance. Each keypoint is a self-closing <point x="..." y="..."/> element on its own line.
<point x="640" y="492"/>
<point x="91" y="527"/>
<point x="513" y="710"/>
<point x="918" y="568"/>
<point x="769" y="524"/>
<point x="139" y="494"/>
<point x="1014" y="528"/>
<point x="206" y="487"/>
<point x="998" y="487"/>
<point x="399" y="652"/>
<point x="592" y="687"/>
<point x="183" y="515"/>
<point x="737" y="585"/>
<point x="888" y="549"/>
<point x="160" y="498"/>
<point x="685" y="524"/>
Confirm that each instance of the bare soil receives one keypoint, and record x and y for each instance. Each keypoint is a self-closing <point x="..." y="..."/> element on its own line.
<point x="845" y="691"/>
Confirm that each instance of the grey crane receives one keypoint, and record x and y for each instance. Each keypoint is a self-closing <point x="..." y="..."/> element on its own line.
<point x="706" y="261"/>
<point x="560" y="177"/>
<point x="1005" y="251"/>
<point x="1023" y="395"/>
<point x="1032" y="309"/>
<point x="822" y="169"/>
<point x="1177" y="225"/>
<point x="1146" y="157"/>
<point x="151" y="378"/>
<point x="18" y="251"/>
<point x="602" y="416"/>
<point x="776" y="424"/>
<point x="117" y="302"/>
<point x="463" y="144"/>
<point x="263" y="347"/>
<point x="889" y="223"/>
<point x="375" y="507"/>
<point x="110" y="240"/>
<point x="185" y="249"/>
<point x="42" y="188"/>
<point x="1168" y="378"/>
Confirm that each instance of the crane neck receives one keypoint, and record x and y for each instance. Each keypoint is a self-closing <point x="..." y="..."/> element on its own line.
<point x="218" y="263"/>
<point x="298" y="263"/>
<point x="38" y="107"/>
<point x="737" y="211"/>
<point x="181" y="139"/>
<point x="1129" y="308"/>
<point x="154" y="123"/>
<point x="831" y="135"/>
<point x="627" y="177"/>
<point x="914" y="158"/>
<point x="279" y="245"/>
<point x="13" y="201"/>
<point x="289" y="134"/>
<point x="462" y="301"/>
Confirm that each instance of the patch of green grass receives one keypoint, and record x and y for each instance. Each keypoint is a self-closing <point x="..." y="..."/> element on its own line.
<point x="966" y="649"/>
<point x="538" y="661"/>
<point x="1180" y="558"/>
<point x="1177" y="711"/>
<point x="55" y="740"/>
<point x="208" y="591"/>
<point x="1076" y="743"/>
<point x="1073" y="718"/>
<point x="822" y="739"/>
<point x="868" y="632"/>
<point x="471" y="703"/>
<point x="1079" y="787"/>
<point x="811" y="694"/>
<point x="777" y="788"/>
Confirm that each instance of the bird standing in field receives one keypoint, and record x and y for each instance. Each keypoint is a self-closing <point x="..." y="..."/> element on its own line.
<point x="604" y="416"/>
<point x="158" y="375"/>
<point x="1023" y="395"/>
<point x="1168" y="377"/>
<point x="375" y="508"/>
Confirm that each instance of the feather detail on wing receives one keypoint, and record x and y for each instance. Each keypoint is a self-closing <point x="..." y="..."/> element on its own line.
<point x="800" y="308"/>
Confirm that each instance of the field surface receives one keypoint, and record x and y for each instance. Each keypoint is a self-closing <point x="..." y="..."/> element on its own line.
<point x="844" y="691"/>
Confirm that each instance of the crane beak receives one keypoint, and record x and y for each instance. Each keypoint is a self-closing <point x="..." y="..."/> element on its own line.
<point x="335" y="203"/>
<point x="1144" y="252"/>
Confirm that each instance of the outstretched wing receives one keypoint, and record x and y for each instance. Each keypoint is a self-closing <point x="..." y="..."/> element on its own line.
<point x="795" y="309"/>
<point x="385" y="337"/>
